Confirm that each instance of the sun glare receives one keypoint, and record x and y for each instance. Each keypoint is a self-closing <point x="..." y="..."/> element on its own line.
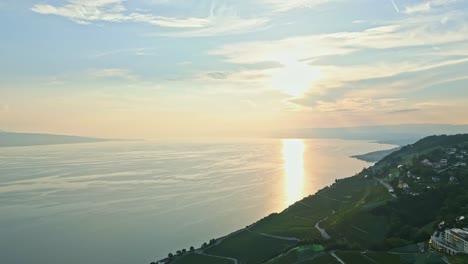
<point x="293" y="156"/>
<point x="295" y="78"/>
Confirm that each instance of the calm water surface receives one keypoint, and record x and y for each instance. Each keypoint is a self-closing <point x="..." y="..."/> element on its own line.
<point x="134" y="202"/>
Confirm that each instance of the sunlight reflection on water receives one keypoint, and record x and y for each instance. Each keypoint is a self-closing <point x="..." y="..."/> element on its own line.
<point x="293" y="156"/>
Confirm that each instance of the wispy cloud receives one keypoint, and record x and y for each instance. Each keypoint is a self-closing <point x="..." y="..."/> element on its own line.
<point x="251" y="75"/>
<point x="316" y="46"/>
<point x="112" y="73"/>
<point x="283" y="6"/>
<point x="221" y="20"/>
<point x="88" y="11"/>
<point x="360" y="104"/>
<point x="404" y="111"/>
<point x="134" y="51"/>
<point x="427" y="6"/>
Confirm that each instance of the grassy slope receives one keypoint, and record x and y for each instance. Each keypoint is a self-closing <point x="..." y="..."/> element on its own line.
<point x="323" y="259"/>
<point x="249" y="247"/>
<point x="459" y="259"/>
<point x="349" y="196"/>
<point x="299" y="254"/>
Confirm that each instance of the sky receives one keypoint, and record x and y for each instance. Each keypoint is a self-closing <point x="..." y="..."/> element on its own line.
<point x="170" y="68"/>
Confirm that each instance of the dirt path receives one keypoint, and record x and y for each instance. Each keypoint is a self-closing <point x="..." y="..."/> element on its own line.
<point x="321" y="230"/>
<point x="359" y="229"/>
<point x="337" y="258"/>
<point x="216" y="256"/>
<point x="280" y="237"/>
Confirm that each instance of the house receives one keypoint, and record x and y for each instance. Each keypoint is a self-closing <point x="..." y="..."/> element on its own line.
<point x="451" y="241"/>
<point x="441" y="225"/>
<point x="462" y="164"/>
<point x="426" y="162"/>
<point x="402" y="185"/>
<point x="453" y="179"/>
<point x="435" y="179"/>
<point x="460" y="219"/>
<point x="452" y="151"/>
<point x="443" y="162"/>
<point x="463" y="152"/>
<point x="459" y="156"/>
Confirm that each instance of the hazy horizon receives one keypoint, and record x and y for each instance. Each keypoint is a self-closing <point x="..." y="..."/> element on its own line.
<point x="380" y="132"/>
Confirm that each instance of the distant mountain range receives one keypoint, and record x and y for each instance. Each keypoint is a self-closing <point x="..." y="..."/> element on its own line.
<point x="390" y="134"/>
<point x="9" y="139"/>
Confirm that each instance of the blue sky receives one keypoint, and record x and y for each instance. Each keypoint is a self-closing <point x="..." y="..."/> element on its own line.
<point x="163" y="68"/>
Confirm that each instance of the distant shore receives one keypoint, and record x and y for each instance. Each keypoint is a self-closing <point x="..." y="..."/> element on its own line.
<point x="375" y="155"/>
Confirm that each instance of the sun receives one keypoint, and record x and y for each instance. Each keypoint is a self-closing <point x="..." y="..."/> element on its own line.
<point x="295" y="78"/>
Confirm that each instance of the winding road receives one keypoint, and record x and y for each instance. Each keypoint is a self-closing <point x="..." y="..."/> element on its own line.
<point x="322" y="231"/>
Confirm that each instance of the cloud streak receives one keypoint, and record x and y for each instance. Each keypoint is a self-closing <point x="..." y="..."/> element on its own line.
<point x="221" y="19"/>
<point x="395" y="6"/>
<point x="427" y="6"/>
<point x="88" y="11"/>
<point x="284" y="6"/>
<point x="340" y="43"/>
<point x="112" y="73"/>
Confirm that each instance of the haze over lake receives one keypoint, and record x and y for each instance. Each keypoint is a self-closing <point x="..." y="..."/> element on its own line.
<point x="134" y="202"/>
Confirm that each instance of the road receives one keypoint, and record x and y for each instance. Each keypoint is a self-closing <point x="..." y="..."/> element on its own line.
<point x="280" y="237"/>
<point x="388" y="186"/>
<point x="336" y="257"/>
<point x="321" y="230"/>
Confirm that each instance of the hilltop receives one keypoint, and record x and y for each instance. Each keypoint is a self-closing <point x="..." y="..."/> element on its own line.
<point x="387" y="134"/>
<point x="384" y="214"/>
<point x="10" y="139"/>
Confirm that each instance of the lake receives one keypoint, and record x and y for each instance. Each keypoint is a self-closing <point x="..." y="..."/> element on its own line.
<point x="134" y="202"/>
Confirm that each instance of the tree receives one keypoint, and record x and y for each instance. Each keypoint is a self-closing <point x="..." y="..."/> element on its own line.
<point x="204" y="245"/>
<point x="170" y="256"/>
<point x="192" y="249"/>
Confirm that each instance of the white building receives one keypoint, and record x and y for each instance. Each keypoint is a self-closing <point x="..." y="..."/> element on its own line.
<point x="443" y="162"/>
<point x="451" y="241"/>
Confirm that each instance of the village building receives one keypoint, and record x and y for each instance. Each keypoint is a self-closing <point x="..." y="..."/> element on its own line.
<point x="453" y="179"/>
<point x="426" y="162"/>
<point x="443" y="162"/>
<point x="451" y="241"/>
